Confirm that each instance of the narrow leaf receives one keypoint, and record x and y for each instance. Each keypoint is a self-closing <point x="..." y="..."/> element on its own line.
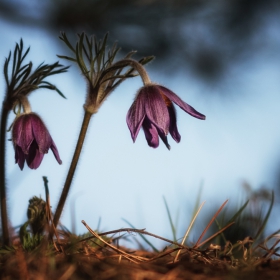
<point x="52" y="87"/>
<point x="170" y="220"/>
<point x="64" y="38"/>
<point x="262" y="227"/>
<point x="25" y="54"/>
<point x="237" y="214"/>
<point x="7" y="61"/>
<point x="67" y="57"/>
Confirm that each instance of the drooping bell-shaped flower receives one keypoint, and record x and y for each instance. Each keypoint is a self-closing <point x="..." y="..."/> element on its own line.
<point x="153" y="110"/>
<point x="32" y="141"/>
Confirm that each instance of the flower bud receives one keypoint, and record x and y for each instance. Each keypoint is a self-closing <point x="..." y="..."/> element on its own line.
<point x="36" y="214"/>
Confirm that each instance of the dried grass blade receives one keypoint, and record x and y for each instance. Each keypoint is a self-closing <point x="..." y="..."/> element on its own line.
<point x="214" y="235"/>
<point x="69" y="272"/>
<point x="49" y="214"/>
<point x="272" y="250"/>
<point x="124" y="254"/>
<point x="189" y="229"/>
<point x="233" y="218"/>
<point x="210" y="223"/>
<point x="143" y="237"/>
<point x="161" y="255"/>
<point x="140" y="231"/>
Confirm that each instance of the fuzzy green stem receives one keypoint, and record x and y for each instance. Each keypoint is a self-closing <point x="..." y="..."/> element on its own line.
<point x="4" y="213"/>
<point x="72" y="168"/>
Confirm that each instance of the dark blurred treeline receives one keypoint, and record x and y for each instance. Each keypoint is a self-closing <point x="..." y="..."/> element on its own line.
<point x="206" y="36"/>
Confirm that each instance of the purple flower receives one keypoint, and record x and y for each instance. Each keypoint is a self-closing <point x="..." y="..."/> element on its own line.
<point x="154" y="111"/>
<point x="31" y="141"/>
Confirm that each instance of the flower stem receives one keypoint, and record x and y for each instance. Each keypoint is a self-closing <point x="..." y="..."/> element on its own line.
<point x="4" y="214"/>
<point x="136" y="65"/>
<point x="72" y="168"/>
<point x="140" y="69"/>
<point x="25" y="104"/>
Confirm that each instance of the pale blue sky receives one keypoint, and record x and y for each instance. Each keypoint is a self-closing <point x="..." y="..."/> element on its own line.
<point x="117" y="179"/>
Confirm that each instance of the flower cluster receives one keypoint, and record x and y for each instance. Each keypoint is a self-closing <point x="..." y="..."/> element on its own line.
<point x="153" y="109"/>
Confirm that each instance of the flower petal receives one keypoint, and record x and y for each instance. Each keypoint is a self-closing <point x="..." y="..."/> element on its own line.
<point x="183" y="105"/>
<point x="173" y="124"/>
<point x="19" y="157"/>
<point x="155" y="107"/>
<point x="22" y="132"/>
<point x="151" y="133"/>
<point x="41" y="134"/>
<point x="34" y="157"/>
<point x="135" y="117"/>
<point x="55" y="152"/>
<point x="164" y="139"/>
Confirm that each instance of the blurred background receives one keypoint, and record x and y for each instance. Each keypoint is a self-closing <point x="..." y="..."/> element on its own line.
<point x="221" y="57"/>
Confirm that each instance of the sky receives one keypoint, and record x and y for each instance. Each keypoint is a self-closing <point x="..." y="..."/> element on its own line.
<point x="117" y="179"/>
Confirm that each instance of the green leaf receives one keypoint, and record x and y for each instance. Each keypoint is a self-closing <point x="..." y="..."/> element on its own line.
<point x="15" y="60"/>
<point x="26" y="69"/>
<point x="25" y="54"/>
<point x="52" y="87"/>
<point x="130" y="54"/>
<point x="6" y="64"/>
<point x="7" y="250"/>
<point x="64" y="38"/>
<point x="80" y="60"/>
<point x="146" y="60"/>
<point x="101" y="53"/>
<point x="262" y="227"/>
<point x="170" y="220"/>
<point x="237" y="214"/>
<point x="67" y="57"/>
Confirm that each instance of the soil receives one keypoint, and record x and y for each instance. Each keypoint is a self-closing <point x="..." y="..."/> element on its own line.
<point x="110" y="265"/>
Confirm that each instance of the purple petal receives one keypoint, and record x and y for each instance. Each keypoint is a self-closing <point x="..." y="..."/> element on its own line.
<point x="173" y="124"/>
<point x="135" y="117"/>
<point x="151" y="133"/>
<point x="41" y="134"/>
<point x="183" y="105"/>
<point x="22" y="132"/>
<point x="55" y="152"/>
<point x="19" y="157"/>
<point x="34" y="157"/>
<point x="155" y="107"/>
<point x="164" y="139"/>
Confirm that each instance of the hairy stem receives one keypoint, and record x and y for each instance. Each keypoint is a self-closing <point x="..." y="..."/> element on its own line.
<point x="135" y="64"/>
<point x="4" y="213"/>
<point x="139" y="68"/>
<point x="72" y="168"/>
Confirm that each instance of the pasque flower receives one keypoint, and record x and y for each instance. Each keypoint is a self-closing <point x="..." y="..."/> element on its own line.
<point x="153" y="110"/>
<point x="32" y="141"/>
